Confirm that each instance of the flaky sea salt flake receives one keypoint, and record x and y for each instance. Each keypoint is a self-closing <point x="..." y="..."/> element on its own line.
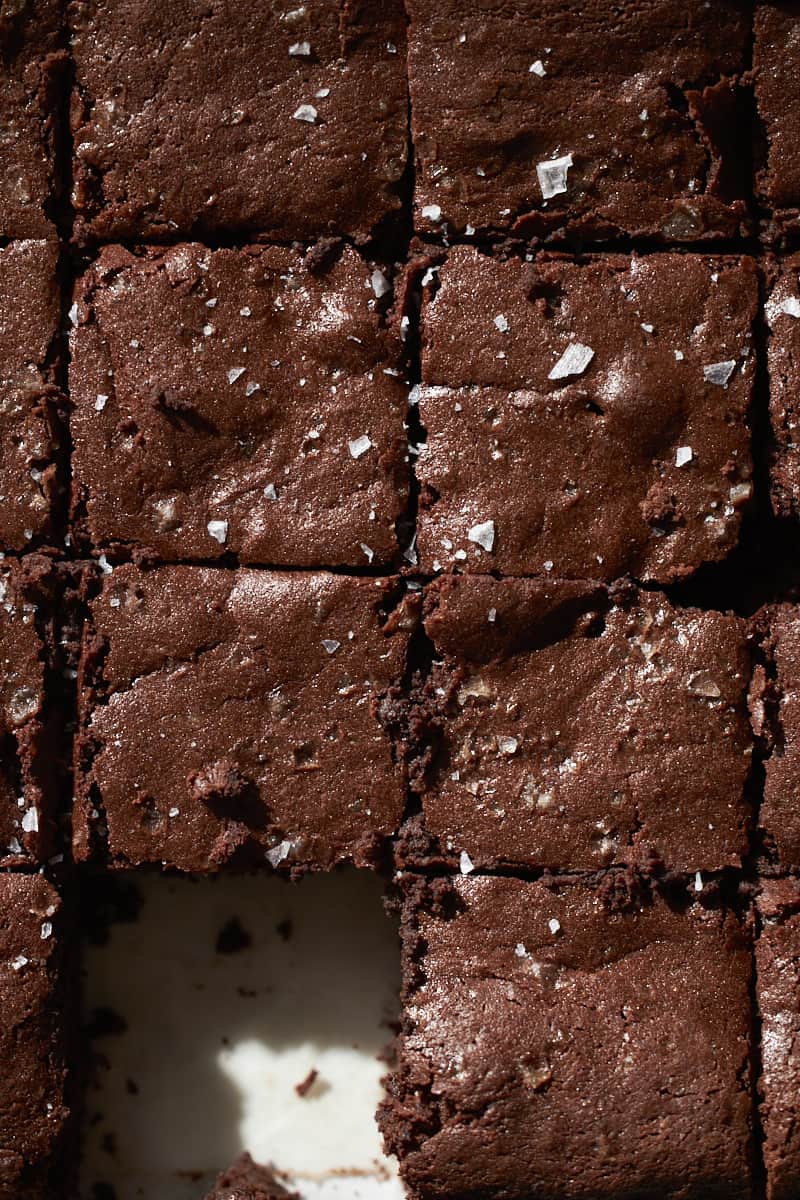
<point x="537" y="68"/>
<point x="552" y="175"/>
<point x="482" y="534"/>
<point x="573" y="361"/>
<point x="465" y="863"/>
<point x="235" y="373"/>
<point x="300" y="50"/>
<point x="305" y="112"/>
<point x="218" y="530"/>
<point x="359" y="446"/>
<point x="720" y="372"/>
<point x="683" y="455"/>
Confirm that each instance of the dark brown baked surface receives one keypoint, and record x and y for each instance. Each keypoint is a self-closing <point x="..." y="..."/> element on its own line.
<point x="239" y="718"/>
<point x="782" y="311"/>
<point x="287" y="120"/>
<point x="522" y="471"/>
<point x="776" y="58"/>
<point x="31" y="76"/>
<point x="776" y="717"/>
<point x="34" y="1117"/>
<point x="238" y="401"/>
<point x="561" y="1044"/>
<point x="618" y="119"/>
<point x="30" y="403"/>
<point x="248" y="1180"/>
<point x="563" y="727"/>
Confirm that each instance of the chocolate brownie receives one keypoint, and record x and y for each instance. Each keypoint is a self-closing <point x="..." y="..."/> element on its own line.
<point x="562" y="1044"/>
<point x="778" y="996"/>
<point x="284" y="119"/>
<point x="569" y="728"/>
<point x="245" y="401"/>
<point x="239" y="717"/>
<point x="776" y="718"/>
<point x="248" y="1180"/>
<point x="783" y="356"/>
<point x="585" y="419"/>
<point x="28" y="744"/>
<point x="30" y="404"/>
<point x="34" y="1113"/>
<point x="776" y="62"/>
<point x="547" y="120"/>
<point x="31" y="68"/>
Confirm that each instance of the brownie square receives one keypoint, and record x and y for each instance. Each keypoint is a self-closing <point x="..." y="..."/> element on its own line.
<point x="245" y="401"/>
<point x="239" y="717"/>
<point x="30" y="404"/>
<point x="778" y="998"/>
<point x="783" y="356"/>
<point x="776" y="718"/>
<point x="34" y="1112"/>
<point x="587" y="419"/>
<point x="776" y="62"/>
<point x="281" y="119"/>
<point x="248" y="1180"/>
<point x="565" y="1042"/>
<point x="28" y="726"/>
<point x="546" y="121"/>
<point x="569" y="728"/>
<point x="31" y="67"/>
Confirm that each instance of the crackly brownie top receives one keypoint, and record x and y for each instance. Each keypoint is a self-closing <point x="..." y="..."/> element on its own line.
<point x="783" y="356"/>
<point x="776" y="59"/>
<point x="23" y="821"/>
<point x="233" y="715"/>
<point x="586" y="419"/>
<point x="246" y="401"/>
<point x="615" y="119"/>
<point x="29" y="319"/>
<point x="549" y="1023"/>
<point x="32" y="1109"/>
<point x="248" y="1180"/>
<point x="778" y="978"/>
<point x="29" y="42"/>
<point x="776" y="716"/>
<point x="569" y="731"/>
<point x="283" y="119"/>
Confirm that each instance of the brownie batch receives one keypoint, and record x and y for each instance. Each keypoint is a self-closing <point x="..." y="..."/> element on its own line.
<point x="400" y="467"/>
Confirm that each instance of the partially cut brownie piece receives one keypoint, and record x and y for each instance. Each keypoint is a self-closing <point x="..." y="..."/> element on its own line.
<point x="246" y="401"/>
<point x="240" y="717"/>
<point x="776" y="718"/>
<point x="569" y="728"/>
<point x="34" y="997"/>
<point x="563" y="1041"/>
<point x="586" y="419"/>
<point x="548" y="121"/>
<point x="783" y="357"/>
<point x="31" y="66"/>
<point x="776" y="62"/>
<point x="248" y="1180"/>
<point x="778" y="998"/>
<point x="288" y="120"/>
<point x="30" y="404"/>
<point x="28" y="736"/>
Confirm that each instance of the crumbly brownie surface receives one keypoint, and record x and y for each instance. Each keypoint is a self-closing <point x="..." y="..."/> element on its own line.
<point x="587" y="420"/>
<point x="33" y="1111"/>
<point x="777" y="991"/>
<point x="560" y="729"/>
<point x="776" y="716"/>
<point x="618" y="119"/>
<point x="30" y="68"/>
<point x="239" y="717"/>
<point x="776" y="62"/>
<point x="248" y="1180"/>
<point x="241" y="401"/>
<point x="285" y="120"/>
<point x="561" y="1044"/>
<point x="29" y="402"/>
<point x="27" y="736"/>
<point x="783" y="357"/>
